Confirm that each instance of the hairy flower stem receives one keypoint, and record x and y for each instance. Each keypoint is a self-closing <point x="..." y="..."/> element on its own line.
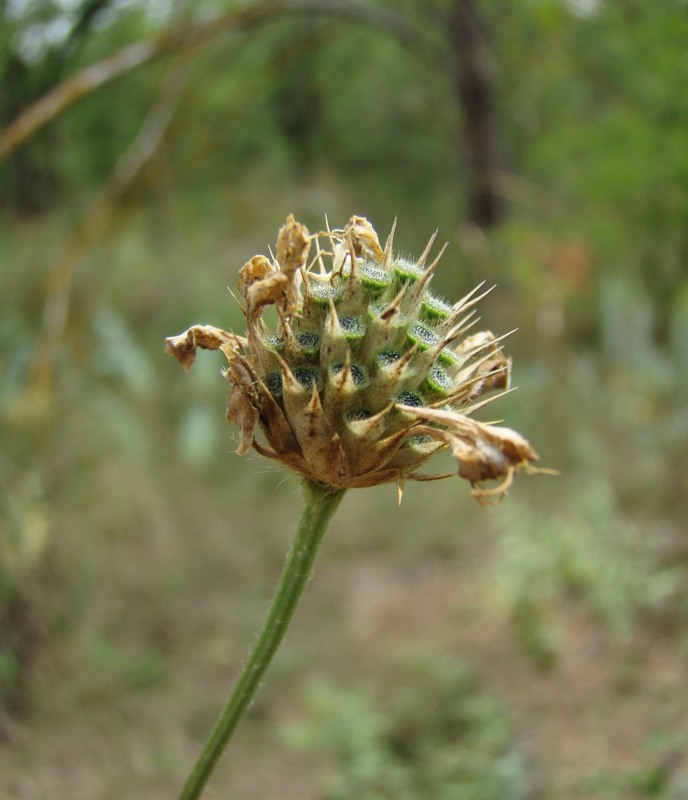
<point x="320" y="503"/>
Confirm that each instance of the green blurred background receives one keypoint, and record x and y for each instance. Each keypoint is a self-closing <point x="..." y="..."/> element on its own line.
<point x="536" y="650"/>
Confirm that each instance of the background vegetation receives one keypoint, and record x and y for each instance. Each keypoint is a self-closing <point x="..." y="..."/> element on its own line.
<point x="537" y="650"/>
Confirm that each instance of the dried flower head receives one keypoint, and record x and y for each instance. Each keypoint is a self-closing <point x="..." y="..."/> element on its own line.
<point x="367" y="373"/>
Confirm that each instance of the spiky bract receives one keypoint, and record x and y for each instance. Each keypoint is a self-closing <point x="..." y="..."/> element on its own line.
<point x="368" y="372"/>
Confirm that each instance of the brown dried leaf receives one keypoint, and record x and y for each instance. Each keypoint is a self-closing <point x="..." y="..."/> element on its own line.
<point x="244" y="415"/>
<point x="183" y="347"/>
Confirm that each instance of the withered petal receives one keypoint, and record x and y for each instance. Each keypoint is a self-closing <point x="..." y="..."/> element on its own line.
<point x="183" y="347"/>
<point x="267" y="291"/>
<point x="482" y="451"/>
<point x="293" y="246"/>
<point x="363" y="238"/>
<point x="256" y="269"/>
<point x="243" y="414"/>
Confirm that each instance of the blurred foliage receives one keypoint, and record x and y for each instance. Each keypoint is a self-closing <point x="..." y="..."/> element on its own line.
<point x="136" y="552"/>
<point x="432" y="731"/>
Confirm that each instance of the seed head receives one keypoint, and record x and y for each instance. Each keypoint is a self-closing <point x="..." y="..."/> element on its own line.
<point x="367" y="373"/>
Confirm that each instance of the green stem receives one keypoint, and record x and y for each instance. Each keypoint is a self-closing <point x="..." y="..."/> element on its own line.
<point x="320" y="503"/>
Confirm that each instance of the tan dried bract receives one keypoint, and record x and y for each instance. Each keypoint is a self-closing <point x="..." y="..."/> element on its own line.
<point x="241" y="406"/>
<point x="262" y="283"/>
<point x="293" y="246"/>
<point x="363" y="238"/>
<point x="253" y="271"/>
<point x="183" y="347"/>
<point x="483" y="452"/>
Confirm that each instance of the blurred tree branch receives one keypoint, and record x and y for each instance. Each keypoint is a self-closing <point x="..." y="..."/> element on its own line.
<point x="124" y="174"/>
<point x="88" y="80"/>
<point x="32" y="177"/>
<point x="143" y="149"/>
<point x="67" y="93"/>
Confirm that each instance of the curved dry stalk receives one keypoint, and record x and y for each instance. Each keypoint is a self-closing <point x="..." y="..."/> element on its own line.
<point x="96" y="219"/>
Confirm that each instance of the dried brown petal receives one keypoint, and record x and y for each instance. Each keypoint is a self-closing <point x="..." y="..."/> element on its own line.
<point x="242" y="413"/>
<point x="293" y="246"/>
<point x="254" y="270"/>
<point x="483" y="452"/>
<point x="183" y="347"/>
<point x="363" y="238"/>
<point x="270" y="290"/>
